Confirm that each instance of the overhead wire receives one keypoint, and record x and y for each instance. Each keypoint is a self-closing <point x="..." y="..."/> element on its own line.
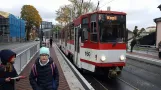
<point x="107" y="3"/>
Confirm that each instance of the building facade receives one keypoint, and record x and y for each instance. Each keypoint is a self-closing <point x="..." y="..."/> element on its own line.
<point x="158" y="30"/>
<point x="11" y="27"/>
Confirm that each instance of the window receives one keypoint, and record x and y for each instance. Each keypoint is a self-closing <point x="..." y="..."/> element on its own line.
<point x="93" y="27"/>
<point x="93" y="17"/>
<point x="72" y="32"/>
<point x="85" y="21"/>
<point x="93" y="32"/>
<point x="84" y="30"/>
<point x="112" y="33"/>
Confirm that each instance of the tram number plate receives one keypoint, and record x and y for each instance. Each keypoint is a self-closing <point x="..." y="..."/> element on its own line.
<point x="87" y="54"/>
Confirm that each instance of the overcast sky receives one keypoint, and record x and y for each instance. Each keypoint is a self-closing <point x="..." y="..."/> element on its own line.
<point x="139" y="12"/>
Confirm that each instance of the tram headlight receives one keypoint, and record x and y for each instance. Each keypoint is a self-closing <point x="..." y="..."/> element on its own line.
<point x="103" y="58"/>
<point x="122" y="57"/>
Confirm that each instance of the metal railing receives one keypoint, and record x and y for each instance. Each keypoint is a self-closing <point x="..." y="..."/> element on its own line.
<point x="23" y="58"/>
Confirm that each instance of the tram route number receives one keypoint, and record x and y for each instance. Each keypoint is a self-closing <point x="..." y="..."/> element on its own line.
<point x="87" y="53"/>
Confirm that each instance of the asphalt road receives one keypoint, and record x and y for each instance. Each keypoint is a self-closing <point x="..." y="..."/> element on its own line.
<point x="103" y="83"/>
<point x="135" y="76"/>
<point x="142" y="75"/>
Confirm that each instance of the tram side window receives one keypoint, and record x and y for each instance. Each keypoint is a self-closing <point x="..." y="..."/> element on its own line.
<point x="93" y="32"/>
<point x="84" y="30"/>
<point x="72" y="33"/>
<point x="66" y="37"/>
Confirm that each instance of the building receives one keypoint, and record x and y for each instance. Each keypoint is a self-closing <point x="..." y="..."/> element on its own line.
<point x="130" y="34"/>
<point x="46" y="25"/>
<point x="11" y="27"/>
<point x="144" y="33"/>
<point x="151" y="29"/>
<point x="158" y="30"/>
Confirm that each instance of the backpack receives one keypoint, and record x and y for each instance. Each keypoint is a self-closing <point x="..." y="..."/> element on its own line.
<point x="35" y="71"/>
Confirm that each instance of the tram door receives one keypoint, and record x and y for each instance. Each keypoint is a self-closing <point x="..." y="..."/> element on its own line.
<point x="76" y="45"/>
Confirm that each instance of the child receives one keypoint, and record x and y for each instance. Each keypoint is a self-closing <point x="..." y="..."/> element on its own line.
<point x="44" y="74"/>
<point x="7" y="70"/>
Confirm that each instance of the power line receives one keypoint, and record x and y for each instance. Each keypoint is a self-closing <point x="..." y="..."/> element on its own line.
<point x="106" y="3"/>
<point x="97" y="5"/>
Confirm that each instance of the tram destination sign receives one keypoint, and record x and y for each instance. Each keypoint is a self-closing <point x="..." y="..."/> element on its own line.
<point x="116" y="18"/>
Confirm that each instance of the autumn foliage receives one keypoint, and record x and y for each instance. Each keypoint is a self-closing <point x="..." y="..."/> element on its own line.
<point x="31" y="16"/>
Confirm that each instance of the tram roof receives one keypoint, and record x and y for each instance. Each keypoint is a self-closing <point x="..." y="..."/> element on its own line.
<point x="77" y="21"/>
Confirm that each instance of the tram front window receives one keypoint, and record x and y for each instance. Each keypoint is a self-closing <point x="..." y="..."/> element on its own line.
<point x="110" y="34"/>
<point x="111" y="31"/>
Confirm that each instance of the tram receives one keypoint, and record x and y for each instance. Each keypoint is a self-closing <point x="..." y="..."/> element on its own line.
<point x="96" y="41"/>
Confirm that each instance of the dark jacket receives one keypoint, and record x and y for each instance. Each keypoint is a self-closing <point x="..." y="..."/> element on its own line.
<point x="44" y="79"/>
<point x="51" y="40"/>
<point x="5" y="55"/>
<point x="7" y="85"/>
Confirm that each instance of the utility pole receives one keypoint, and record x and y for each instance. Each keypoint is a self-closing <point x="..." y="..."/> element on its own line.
<point x="41" y="35"/>
<point x="97" y="5"/>
<point x="82" y="8"/>
<point x="20" y="29"/>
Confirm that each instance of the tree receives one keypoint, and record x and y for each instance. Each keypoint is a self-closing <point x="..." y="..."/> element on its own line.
<point x="82" y="7"/>
<point x="135" y="32"/>
<point x="140" y="31"/>
<point x="56" y="28"/>
<point x="63" y="14"/>
<point x="31" y="16"/>
<point x="73" y="10"/>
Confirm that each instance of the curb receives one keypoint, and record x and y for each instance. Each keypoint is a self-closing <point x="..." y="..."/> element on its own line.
<point x="82" y="80"/>
<point x="145" y="59"/>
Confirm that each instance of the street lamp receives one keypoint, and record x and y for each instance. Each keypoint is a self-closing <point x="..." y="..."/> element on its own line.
<point x="41" y="35"/>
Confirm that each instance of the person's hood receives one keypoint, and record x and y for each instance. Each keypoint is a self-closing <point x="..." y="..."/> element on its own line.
<point x="5" y="55"/>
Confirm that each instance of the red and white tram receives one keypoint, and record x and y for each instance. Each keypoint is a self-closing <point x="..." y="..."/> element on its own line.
<point x="96" y="41"/>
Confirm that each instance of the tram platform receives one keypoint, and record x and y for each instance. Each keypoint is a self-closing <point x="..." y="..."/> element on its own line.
<point x="67" y="79"/>
<point x="144" y="54"/>
<point x="145" y="57"/>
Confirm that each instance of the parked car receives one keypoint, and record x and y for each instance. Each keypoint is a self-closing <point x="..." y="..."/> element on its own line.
<point x="37" y="39"/>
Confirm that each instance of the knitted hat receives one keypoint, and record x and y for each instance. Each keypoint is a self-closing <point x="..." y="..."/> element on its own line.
<point x="44" y="50"/>
<point x="6" y="55"/>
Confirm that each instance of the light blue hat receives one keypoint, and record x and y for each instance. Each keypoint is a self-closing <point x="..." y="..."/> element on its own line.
<point x="44" y="50"/>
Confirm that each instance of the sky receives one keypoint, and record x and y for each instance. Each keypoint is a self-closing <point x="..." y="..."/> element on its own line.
<point x="140" y="13"/>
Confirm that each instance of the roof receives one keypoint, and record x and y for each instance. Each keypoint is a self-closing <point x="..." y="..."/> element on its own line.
<point x="157" y="20"/>
<point x="130" y="31"/>
<point x="78" y="20"/>
<point x="151" y="27"/>
<point x="159" y="6"/>
<point x="107" y="12"/>
<point x="4" y="14"/>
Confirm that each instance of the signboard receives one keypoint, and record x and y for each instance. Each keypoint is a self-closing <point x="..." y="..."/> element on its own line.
<point x="111" y="18"/>
<point x="46" y="25"/>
